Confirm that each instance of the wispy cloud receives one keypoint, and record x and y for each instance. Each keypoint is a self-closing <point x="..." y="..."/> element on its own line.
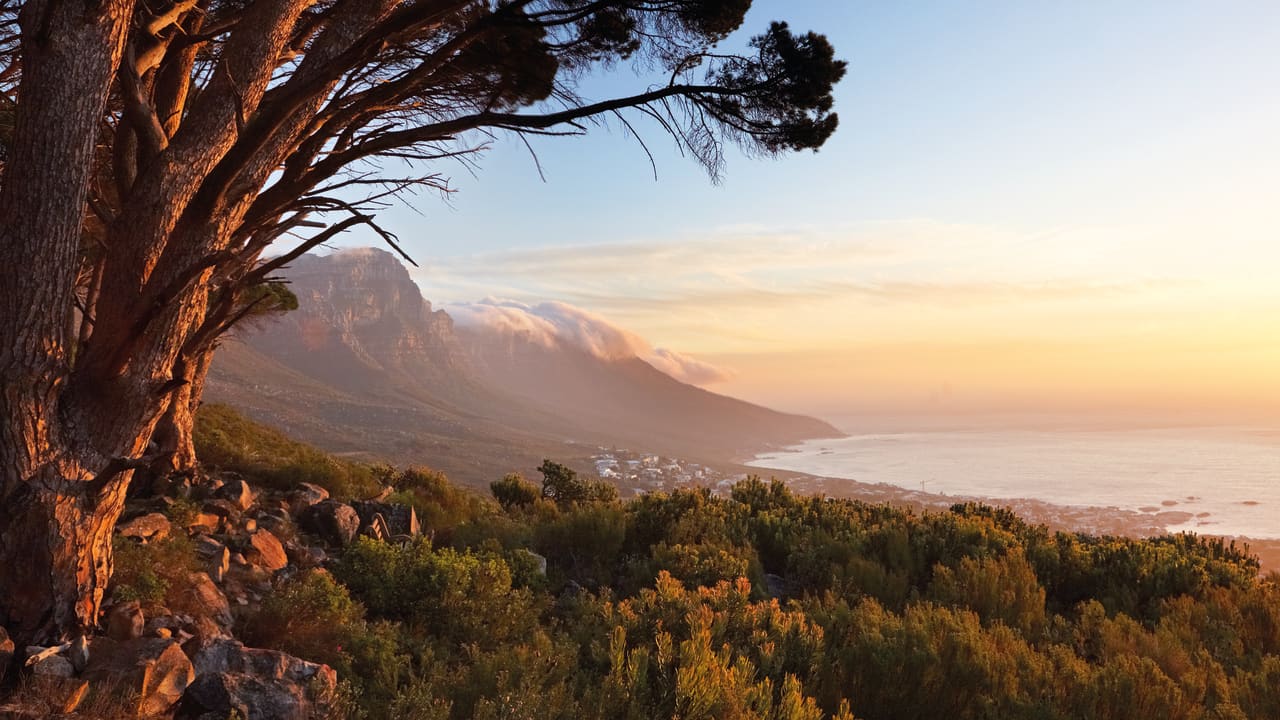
<point x="554" y="324"/>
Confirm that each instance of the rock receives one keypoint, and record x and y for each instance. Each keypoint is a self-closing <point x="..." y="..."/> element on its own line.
<point x="216" y="554"/>
<point x="78" y="653"/>
<point x="125" y="622"/>
<point x="164" y="633"/>
<point x="399" y="519"/>
<point x="237" y="492"/>
<point x="277" y="521"/>
<point x="53" y="666"/>
<point x="306" y="556"/>
<point x="249" y="525"/>
<point x="305" y="496"/>
<point x="238" y="560"/>
<point x="155" y="671"/>
<point x="266" y="551"/>
<point x="257" y="684"/>
<point x="6" y="651"/>
<point x="227" y="511"/>
<point x="203" y="599"/>
<point x="333" y="521"/>
<point x="146" y="528"/>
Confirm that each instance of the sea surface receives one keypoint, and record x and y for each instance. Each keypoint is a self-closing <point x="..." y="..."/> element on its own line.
<point x="1230" y="473"/>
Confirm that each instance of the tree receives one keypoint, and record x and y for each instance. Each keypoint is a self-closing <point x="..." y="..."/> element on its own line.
<point x="153" y="151"/>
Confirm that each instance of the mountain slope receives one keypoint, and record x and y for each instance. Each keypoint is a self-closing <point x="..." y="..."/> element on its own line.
<point x="367" y="366"/>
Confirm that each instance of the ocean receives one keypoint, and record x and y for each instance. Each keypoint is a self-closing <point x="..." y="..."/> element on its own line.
<point x="1226" y="478"/>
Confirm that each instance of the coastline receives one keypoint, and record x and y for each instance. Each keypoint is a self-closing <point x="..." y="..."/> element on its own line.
<point x="1090" y="520"/>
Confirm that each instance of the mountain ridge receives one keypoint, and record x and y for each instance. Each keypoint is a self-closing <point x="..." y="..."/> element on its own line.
<point x="367" y="366"/>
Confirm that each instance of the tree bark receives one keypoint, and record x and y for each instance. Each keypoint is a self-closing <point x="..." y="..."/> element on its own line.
<point x="174" y="434"/>
<point x="57" y="507"/>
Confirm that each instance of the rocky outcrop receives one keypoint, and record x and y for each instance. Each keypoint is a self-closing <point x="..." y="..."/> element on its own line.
<point x="146" y="528"/>
<point x="257" y="684"/>
<point x="125" y="622"/>
<point x="336" y="523"/>
<point x="265" y="551"/>
<point x="154" y="671"/>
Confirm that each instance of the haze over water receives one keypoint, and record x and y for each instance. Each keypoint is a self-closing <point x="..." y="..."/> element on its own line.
<point x="1231" y="473"/>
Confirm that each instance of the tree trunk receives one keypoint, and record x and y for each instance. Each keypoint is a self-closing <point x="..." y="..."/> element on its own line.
<point x="55" y="556"/>
<point x="174" y="435"/>
<point x="57" y="507"/>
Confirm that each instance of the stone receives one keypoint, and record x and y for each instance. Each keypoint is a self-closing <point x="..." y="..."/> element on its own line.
<point x="216" y="554"/>
<point x="78" y="653"/>
<point x="237" y="492"/>
<point x="249" y="525"/>
<point x="227" y="511"/>
<point x="125" y="621"/>
<point x="155" y="671"/>
<point x="146" y="528"/>
<point x="277" y="521"/>
<point x="265" y="551"/>
<point x="306" y="495"/>
<point x="53" y="666"/>
<point x="307" y="556"/>
<point x="257" y="684"/>
<point x="333" y="521"/>
<point x="202" y="598"/>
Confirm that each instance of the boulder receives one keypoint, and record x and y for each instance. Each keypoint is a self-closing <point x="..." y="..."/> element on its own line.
<point x="333" y="521"/>
<point x="265" y="551"/>
<point x="203" y="599"/>
<point x="146" y="528"/>
<point x="306" y="495"/>
<point x="277" y="521"/>
<point x="399" y="519"/>
<point x="125" y="621"/>
<point x="236" y="492"/>
<point x="155" y="671"/>
<point x="214" y="553"/>
<point x="53" y="666"/>
<point x="307" y="556"/>
<point x="257" y="684"/>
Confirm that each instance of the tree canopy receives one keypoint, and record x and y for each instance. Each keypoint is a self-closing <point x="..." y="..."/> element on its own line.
<point x="153" y="150"/>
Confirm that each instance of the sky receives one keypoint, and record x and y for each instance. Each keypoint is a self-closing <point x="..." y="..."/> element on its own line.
<point x="1029" y="208"/>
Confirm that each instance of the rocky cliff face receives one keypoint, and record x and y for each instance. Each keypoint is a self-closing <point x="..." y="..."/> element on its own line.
<point x="367" y="366"/>
<point x="360" y="311"/>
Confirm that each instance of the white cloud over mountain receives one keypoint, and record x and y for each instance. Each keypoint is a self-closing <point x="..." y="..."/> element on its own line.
<point x="556" y="324"/>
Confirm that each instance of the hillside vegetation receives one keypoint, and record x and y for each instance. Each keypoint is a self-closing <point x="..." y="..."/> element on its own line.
<point x="764" y="604"/>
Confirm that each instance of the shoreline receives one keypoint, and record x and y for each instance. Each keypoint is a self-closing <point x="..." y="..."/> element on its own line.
<point x="1090" y="520"/>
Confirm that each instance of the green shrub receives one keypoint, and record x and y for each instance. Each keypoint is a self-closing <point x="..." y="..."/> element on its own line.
<point x="450" y="596"/>
<point x="227" y="440"/>
<point x="313" y="617"/>
<point x="154" y="573"/>
<point x="513" y="491"/>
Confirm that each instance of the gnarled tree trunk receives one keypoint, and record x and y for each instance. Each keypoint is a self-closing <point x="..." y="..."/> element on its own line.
<point x="59" y="497"/>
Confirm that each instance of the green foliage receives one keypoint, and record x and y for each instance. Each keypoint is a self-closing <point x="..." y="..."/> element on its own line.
<point x="154" y="573"/>
<point x="227" y="440"/>
<point x="312" y="616"/>
<point x="453" y="597"/>
<point x="562" y="485"/>
<point x="656" y="608"/>
<point x="513" y="491"/>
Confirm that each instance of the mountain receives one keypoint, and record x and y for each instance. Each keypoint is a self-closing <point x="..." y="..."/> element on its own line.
<point x="366" y="366"/>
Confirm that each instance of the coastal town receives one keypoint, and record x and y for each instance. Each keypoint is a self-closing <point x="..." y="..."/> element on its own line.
<point x="640" y="472"/>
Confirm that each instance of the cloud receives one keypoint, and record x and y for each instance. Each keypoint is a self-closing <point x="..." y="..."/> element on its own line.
<point x="556" y="324"/>
<point x="687" y="369"/>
